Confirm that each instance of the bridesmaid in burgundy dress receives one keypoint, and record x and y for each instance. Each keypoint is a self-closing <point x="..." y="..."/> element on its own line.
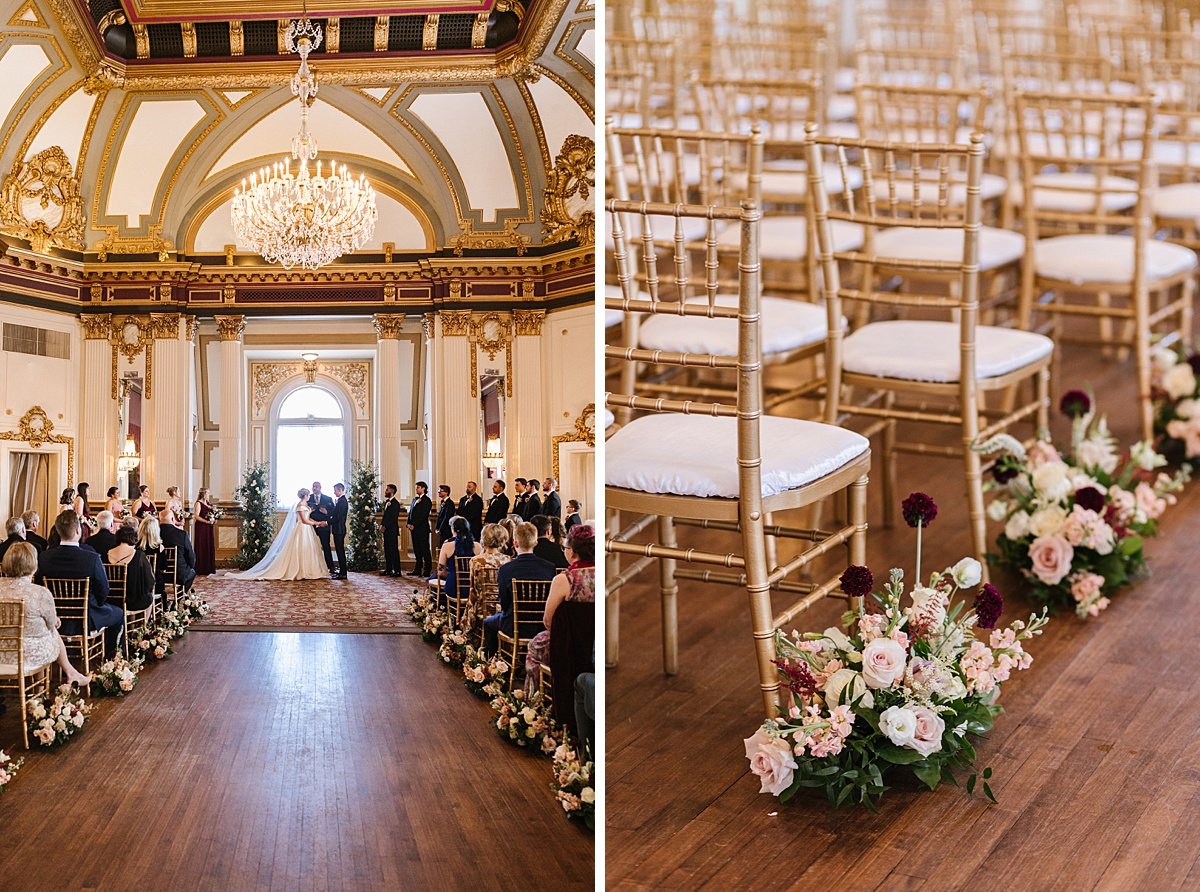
<point x="144" y="504"/>
<point x="81" y="508"/>
<point x="205" y="540"/>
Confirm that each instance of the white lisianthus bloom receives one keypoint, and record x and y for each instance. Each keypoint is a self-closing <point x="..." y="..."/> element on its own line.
<point x="1048" y="521"/>
<point x="1187" y="409"/>
<point x="898" y="724"/>
<point x="1143" y="455"/>
<point x="587" y="794"/>
<point x="997" y="509"/>
<point x="1097" y="452"/>
<point x="1052" y="480"/>
<point x="1164" y="358"/>
<point x="967" y="573"/>
<point x="839" y="682"/>
<point x="1179" y="381"/>
<point x="1017" y="526"/>
<point x="839" y="638"/>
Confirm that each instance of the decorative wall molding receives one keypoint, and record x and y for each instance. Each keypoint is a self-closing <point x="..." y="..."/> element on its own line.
<point x="455" y="323"/>
<point x="491" y="333"/>
<point x="40" y="201"/>
<point x="36" y="428"/>
<point x="529" y="322"/>
<point x="230" y="328"/>
<point x="388" y="325"/>
<point x="266" y="377"/>
<point x="568" y="212"/>
<point x="583" y="432"/>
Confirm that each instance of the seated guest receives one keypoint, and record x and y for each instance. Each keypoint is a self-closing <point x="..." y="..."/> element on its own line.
<point x="40" y="642"/>
<point x="585" y="709"/>
<point x="150" y="542"/>
<point x="32" y="521"/>
<point x="104" y="538"/>
<point x="14" y="529"/>
<point x="578" y="583"/>
<point x="526" y="565"/>
<point x="549" y="547"/>
<point x="510" y="524"/>
<point x="462" y="545"/>
<point x="140" y="583"/>
<point x="572" y="514"/>
<point x="493" y="557"/>
<point x="69" y="561"/>
<point x="185" y="561"/>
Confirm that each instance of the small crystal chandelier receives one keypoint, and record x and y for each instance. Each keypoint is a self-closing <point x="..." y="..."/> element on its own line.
<point x="298" y="219"/>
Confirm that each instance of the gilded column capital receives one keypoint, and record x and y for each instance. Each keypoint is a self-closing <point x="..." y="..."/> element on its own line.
<point x="193" y="326"/>
<point x="230" y="328"/>
<point x="456" y="323"/>
<point x="529" y="322"/>
<point x="97" y="326"/>
<point x="428" y="325"/>
<point x="165" y="325"/>
<point x="387" y="325"/>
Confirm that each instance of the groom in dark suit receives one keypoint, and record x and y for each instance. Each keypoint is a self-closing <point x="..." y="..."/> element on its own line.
<point x="337" y="527"/>
<point x="418" y="525"/>
<point x="321" y="512"/>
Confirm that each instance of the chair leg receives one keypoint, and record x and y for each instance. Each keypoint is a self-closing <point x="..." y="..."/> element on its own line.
<point x="1042" y="395"/>
<point x="612" y="602"/>
<point x="858" y="519"/>
<point x="1141" y="348"/>
<point x="669" y="589"/>
<point x="1186" y="313"/>
<point x="975" y="510"/>
<point x="889" y="463"/>
<point x="762" y="617"/>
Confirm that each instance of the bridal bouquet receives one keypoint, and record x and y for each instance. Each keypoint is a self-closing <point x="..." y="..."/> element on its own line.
<point x="1074" y="522"/>
<point x="574" y="786"/>
<point x="526" y="721"/>
<point x="903" y="688"/>
<point x="483" y="677"/>
<point x="453" y="649"/>
<point x="55" y="722"/>
<point x="1176" y="392"/>
<point x="151" y="644"/>
<point x="117" y="677"/>
<point x="8" y="769"/>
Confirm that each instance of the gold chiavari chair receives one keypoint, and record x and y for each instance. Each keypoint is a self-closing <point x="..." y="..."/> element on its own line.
<point x="172" y="587"/>
<point x="1176" y="201"/>
<point x="722" y="465"/>
<point x="157" y="609"/>
<point x="487" y="596"/>
<point x="135" y="620"/>
<point x="71" y="604"/>
<point x="905" y="369"/>
<point x="15" y="674"/>
<point x="546" y="684"/>
<point x="1093" y="257"/>
<point x="529" y="598"/>
<point x="456" y="601"/>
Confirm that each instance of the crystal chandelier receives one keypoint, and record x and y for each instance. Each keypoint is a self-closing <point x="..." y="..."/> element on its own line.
<point x="298" y="218"/>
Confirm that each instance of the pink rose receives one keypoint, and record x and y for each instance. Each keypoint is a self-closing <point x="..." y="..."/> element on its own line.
<point x="884" y="661"/>
<point x="927" y="739"/>
<point x="771" y="759"/>
<point x="1149" y="502"/>
<point x="1051" y="557"/>
<point x="1040" y="453"/>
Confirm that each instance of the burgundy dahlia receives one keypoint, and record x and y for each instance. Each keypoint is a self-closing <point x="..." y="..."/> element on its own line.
<point x="1194" y="362"/>
<point x="989" y="604"/>
<point x="1090" y="499"/>
<point x="1075" y="404"/>
<point x="919" y="510"/>
<point x="1004" y="471"/>
<point x="800" y="679"/>
<point x="857" y="581"/>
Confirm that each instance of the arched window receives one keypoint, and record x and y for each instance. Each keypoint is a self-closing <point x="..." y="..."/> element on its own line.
<point x="310" y="442"/>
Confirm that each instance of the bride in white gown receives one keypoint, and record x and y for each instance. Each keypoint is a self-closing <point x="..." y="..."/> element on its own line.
<point x="295" y="553"/>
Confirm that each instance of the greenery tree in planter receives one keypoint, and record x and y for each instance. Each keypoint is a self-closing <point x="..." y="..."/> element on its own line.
<point x="258" y="515"/>
<point x="365" y="549"/>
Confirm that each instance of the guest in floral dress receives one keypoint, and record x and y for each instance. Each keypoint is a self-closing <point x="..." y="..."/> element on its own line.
<point x="495" y="541"/>
<point x="41" y="643"/>
<point x="576" y="583"/>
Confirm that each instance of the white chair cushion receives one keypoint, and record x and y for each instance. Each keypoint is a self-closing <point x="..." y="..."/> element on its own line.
<point x="696" y="455"/>
<point x="789" y="182"/>
<point x="1051" y="199"/>
<point x="929" y="351"/>
<point x="786" y="237"/>
<point x="609" y="419"/>
<point x="1087" y="258"/>
<point x="1178" y="202"/>
<point x="991" y="186"/>
<point x="786" y="325"/>
<point x="841" y="107"/>
<point x="613" y="318"/>
<point x="997" y="247"/>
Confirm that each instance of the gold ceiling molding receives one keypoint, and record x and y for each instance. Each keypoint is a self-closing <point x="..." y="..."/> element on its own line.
<point x="151" y="243"/>
<point x="333" y="35"/>
<point x="64" y="67"/>
<point x="46" y="180"/>
<point x="479" y="30"/>
<point x="111" y="18"/>
<point x="188" y="31"/>
<point x="141" y="39"/>
<point x="36" y="428"/>
<point x="230" y="328"/>
<point x="237" y="38"/>
<point x="572" y="177"/>
<point x="568" y="47"/>
<point x="429" y="32"/>
<point x="489" y="240"/>
<point x="583" y="432"/>
<point x="45" y="116"/>
<point x="529" y="322"/>
<point x="78" y="32"/>
<point x="388" y="325"/>
<point x="20" y="17"/>
<point x="381" y="32"/>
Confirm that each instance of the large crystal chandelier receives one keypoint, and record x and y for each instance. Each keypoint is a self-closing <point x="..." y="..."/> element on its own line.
<point x="302" y="218"/>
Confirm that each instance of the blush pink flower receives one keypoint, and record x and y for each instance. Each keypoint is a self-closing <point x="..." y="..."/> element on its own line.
<point x="1149" y="501"/>
<point x="1051" y="557"/>
<point x="1040" y="453"/>
<point x="884" y="661"/>
<point x="927" y="739"/>
<point x="771" y="760"/>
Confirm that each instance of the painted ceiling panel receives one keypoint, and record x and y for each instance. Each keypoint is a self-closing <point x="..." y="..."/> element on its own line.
<point x="65" y="127"/>
<point x="19" y="68"/>
<point x="158" y="129"/>
<point x="587" y="45"/>
<point x="560" y="113"/>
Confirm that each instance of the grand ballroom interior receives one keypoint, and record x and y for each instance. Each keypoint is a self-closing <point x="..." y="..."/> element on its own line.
<point x="820" y="216"/>
<point x="334" y="242"/>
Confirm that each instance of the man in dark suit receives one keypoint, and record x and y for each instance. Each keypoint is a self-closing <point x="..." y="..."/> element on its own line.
<point x="337" y="528"/>
<point x="497" y="508"/>
<point x="104" y="538"/>
<point x="518" y="497"/>
<point x="470" y="506"/>
<point x="533" y="502"/>
<point x="185" y="560"/>
<point x="32" y="521"/>
<point x="391" y="531"/>
<point x="68" y="561"/>
<point x="446" y="510"/>
<point x="551" y="503"/>
<point x="320" y="513"/>
<point x="418" y="526"/>
<point x="14" y="528"/>
<point x="526" y="565"/>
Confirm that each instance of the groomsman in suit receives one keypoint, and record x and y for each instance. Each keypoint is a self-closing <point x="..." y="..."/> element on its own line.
<point x="391" y="531"/>
<point x="337" y="527"/>
<point x="321" y="511"/>
<point x="418" y="525"/>
<point x="533" y="504"/>
<point x="446" y="510"/>
<point x="497" y="508"/>
<point x="69" y="561"/>
<point x="470" y="506"/>
<point x="551" y="503"/>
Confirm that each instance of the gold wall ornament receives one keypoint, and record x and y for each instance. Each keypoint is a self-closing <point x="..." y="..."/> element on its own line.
<point x="22" y="17"/>
<point x="111" y="18"/>
<point x="389" y="293"/>
<point x="40" y="201"/>
<point x="237" y="39"/>
<point x="511" y="6"/>
<point x="569" y="211"/>
<point x="381" y="33"/>
<point x="429" y="33"/>
<point x="429" y="325"/>
<point x="266" y="376"/>
<point x="193" y="327"/>
<point x="36" y="428"/>
<point x="131" y="335"/>
<point x="529" y="322"/>
<point x="455" y="323"/>
<point x="141" y="38"/>
<point x="164" y="292"/>
<point x="230" y="328"/>
<point x="165" y="325"/>
<point x="357" y="378"/>
<point x="491" y="333"/>
<point x="151" y="243"/>
<point x="479" y="30"/>
<point x="189" y="39"/>
<point x="228" y="294"/>
<point x="584" y="431"/>
<point x="333" y="35"/>
<point x="388" y="325"/>
<point x="96" y="326"/>
<point x="489" y="240"/>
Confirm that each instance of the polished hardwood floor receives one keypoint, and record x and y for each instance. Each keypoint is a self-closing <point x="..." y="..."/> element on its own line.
<point x="1095" y="759"/>
<point x="285" y="761"/>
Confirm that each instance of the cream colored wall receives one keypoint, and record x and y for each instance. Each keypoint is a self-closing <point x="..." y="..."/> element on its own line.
<point x="571" y="386"/>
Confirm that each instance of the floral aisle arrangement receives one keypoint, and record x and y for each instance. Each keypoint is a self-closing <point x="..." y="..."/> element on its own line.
<point x="258" y="515"/>
<point x="173" y="623"/>
<point x="526" y="721"/>
<point x="365" y="543"/>
<point x="8" y="769"/>
<point x="453" y="649"/>
<point x="1075" y="522"/>
<point x="418" y="608"/>
<point x="905" y="688"/>
<point x="574" y="786"/>
<point x="485" y="678"/>
<point x="151" y="644"/>
<point x="1176" y="390"/>
<point x="118" y="676"/>
<point x="435" y="624"/>
<point x="191" y="607"/>
<point x="54" y="722"/>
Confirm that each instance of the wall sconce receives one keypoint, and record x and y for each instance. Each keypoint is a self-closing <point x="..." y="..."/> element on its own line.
<point x="129" y="459"/>
<point x="310" y="366"/>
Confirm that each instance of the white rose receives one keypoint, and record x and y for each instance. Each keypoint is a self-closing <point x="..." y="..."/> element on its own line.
<point x="842" y="679"/>
<point x="1164" y="358"/>
<point x="883" y="661"/>
<point x="997" y="509"/>
<point x="587" y="794"/>
<point x="771" y="760"/>
<point x="898" y="724"/>
<point x="1187" y="409"/>
<point x="1179" y="381"/>
<point x="967" y="573"/>
<point x="1051" y="480"/>
<point x="1048" y="521"/>
<point x="839" y="639"/>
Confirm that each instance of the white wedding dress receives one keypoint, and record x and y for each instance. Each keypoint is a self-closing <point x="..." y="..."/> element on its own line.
<point x="295" y="554"/>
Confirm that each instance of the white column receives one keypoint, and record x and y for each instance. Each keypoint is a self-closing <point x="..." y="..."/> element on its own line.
<point x="231" y="449"/>
<point x="168" y="407"/>
<point x="456" y="422"/>
<point x="526" y="424"/>
<point x="388" y="383"/>
<point x="95" y="458"/>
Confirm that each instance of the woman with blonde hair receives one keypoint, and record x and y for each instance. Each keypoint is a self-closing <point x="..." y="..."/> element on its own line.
<point x="175" y="506"/>
<point x="150" y="542"/>
<point x="41" y="643"/>
<point x="495" y="540"/>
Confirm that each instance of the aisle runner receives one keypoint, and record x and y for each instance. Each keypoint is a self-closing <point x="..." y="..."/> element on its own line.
<point x="363" y="603"/>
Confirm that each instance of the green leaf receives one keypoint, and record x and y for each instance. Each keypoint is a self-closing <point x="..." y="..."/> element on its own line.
<point x="988" y="792"/>
<point x="1130" y="545"/>
<point x="971" y="785"/>
<point x="899" y="755"/>
<point x="870" y="716"/>
<point x="928" y="774"/>
<point x="987" y="773"/>
<point x="844" y="794"/>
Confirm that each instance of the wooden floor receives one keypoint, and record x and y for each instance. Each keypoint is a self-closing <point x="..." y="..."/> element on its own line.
<point x="1095" y="760"/>
<point x="292" y="762"/>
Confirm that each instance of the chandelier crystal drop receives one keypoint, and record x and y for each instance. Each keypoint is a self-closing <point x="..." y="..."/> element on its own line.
<point x="304" y="218"/>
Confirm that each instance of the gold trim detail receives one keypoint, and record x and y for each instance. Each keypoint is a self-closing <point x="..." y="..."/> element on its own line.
<point x="266" y="376"/>
<point x="582" y="433"/>
<point x="357" y="378"/>
<point x="479" y="30"/>
<point x="529" y="322"/>
<point x="388" y="325"/>
<point x="281" y="30"/>
<point x="381" y="33"/>
<point x="96" y="326"/>
<point x="491" y="345"/>
<point x="572" y="177"/>
<point x="428" y="325"/>
<point x="429" y="34"/>
<point x="490" y="240"/>
<point x="46" y="178"/>
<point x="237" y="39"/>
<point x="18" y="20"/>
<point x="141" y="38"/>
<point x="455" y="323"/>
<point x="36" y="428"/>
<point x="151" y="243"/>
<point x="189" y="39"/>
<point x="109" y="19"/>
<point x="230" y="328"/>
<point x="193" y="327"/>
<point x="333" y="35"/>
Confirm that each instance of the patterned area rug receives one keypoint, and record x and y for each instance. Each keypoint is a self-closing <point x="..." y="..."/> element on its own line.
<point x="363" y="603"/>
